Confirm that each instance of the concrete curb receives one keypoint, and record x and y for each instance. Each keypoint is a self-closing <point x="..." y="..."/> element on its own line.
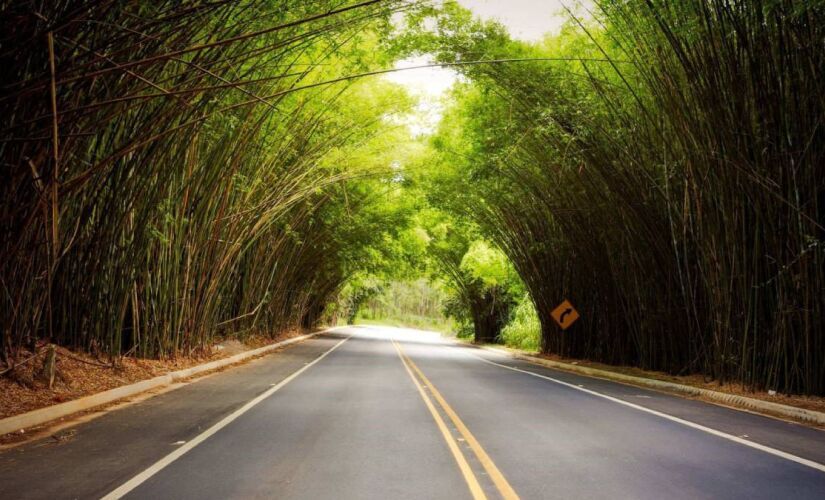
<point x="757" y="405"/>
<point x="49" y="413"/>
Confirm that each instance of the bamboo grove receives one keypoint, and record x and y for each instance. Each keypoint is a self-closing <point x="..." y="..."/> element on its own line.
<point x="180" y="171"/>
<point x="663" y="170"/>
<point x="163" y="168"/>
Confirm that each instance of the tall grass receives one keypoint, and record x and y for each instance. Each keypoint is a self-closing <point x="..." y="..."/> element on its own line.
<point x="524" y="329"/>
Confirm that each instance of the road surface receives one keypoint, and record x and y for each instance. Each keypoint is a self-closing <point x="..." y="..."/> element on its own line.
<point x="381" y="413"/>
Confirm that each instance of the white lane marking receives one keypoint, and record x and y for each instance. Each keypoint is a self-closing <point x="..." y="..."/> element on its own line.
<point x="168" y="459"/>
<point x="767" y="449"/>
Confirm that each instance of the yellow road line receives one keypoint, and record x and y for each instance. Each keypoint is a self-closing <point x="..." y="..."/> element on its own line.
<point x="466" y="471"/>
<point x="495" y="474"/>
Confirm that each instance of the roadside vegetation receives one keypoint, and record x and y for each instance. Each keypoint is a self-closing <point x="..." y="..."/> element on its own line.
<point x="199" y="178"/>
<point x="176" y="173"/>
<point x="407" y="304"/>
<point x="662" y="169"/>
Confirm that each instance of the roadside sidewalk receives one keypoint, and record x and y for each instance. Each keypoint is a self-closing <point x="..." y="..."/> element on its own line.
<point x="21" y="423"/>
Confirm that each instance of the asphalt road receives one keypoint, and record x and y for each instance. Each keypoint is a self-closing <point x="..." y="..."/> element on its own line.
<point x="387" y="413"/>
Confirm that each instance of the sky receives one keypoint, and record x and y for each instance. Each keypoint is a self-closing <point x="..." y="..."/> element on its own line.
<point x="430" y="86"/>
<point x="527" y="20"/>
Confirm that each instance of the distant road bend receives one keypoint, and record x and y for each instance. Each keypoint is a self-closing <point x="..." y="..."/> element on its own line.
<point x="384" y="413"/>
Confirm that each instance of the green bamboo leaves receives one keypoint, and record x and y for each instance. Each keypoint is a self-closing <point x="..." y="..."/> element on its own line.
<point x="190" y="198"/>
<point x="667" y="178"/>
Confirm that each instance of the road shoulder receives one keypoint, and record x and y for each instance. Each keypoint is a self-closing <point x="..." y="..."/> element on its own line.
<point x="795" y="438"/>
<point x="24" y="427"/>
<point x="791" y="413"/>
<point x="88" y="462"/>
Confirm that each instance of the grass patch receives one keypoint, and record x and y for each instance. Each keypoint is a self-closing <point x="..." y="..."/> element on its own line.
<point x="524" y="330"/>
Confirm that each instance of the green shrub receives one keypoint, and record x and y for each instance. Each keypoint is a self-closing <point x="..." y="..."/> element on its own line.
<point x="524" y="330"/>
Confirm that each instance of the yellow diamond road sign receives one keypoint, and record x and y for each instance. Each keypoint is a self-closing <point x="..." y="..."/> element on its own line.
<point x="565" y="315"/>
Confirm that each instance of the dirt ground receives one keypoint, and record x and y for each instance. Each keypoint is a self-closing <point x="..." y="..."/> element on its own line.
<point x="80" y="374"/>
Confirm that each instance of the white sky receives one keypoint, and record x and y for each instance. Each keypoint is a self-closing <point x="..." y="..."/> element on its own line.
<point x="524" y="19"/>
<point x="430" y="86"/>
<point x="527" y="20"/>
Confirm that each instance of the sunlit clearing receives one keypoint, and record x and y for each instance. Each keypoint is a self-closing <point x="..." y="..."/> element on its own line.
<point x="429" y="85"/>
<point x="393" y="333"/>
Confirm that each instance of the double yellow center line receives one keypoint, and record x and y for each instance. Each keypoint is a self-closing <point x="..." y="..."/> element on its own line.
<point x="421" y="381"/>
